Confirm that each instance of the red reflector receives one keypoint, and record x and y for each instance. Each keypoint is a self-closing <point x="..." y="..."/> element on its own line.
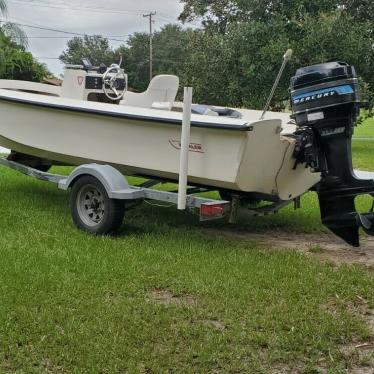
<point x="211" y="211"/>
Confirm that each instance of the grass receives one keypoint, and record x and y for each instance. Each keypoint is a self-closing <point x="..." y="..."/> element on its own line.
<point x="366" y="130"/>
<point x="363" y="154"/>
<point x="72" y="303"/>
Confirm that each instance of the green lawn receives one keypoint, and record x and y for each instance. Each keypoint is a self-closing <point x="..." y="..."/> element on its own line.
<point x="167" y="295"/>
<point x="366" y="130"/>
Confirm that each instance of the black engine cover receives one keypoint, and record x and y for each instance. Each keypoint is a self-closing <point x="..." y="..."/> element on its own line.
<point x="325" y="95"/>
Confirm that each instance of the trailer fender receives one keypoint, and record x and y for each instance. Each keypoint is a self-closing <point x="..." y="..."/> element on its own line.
<point x="113" y="181"/>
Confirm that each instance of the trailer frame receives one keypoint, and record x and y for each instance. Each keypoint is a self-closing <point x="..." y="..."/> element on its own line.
<point x="118" y="188"/>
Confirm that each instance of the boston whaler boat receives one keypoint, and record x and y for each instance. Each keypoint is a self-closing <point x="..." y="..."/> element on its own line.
<point x="95" y="123"/>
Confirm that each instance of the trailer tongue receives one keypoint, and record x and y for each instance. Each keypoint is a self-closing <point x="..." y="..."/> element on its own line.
<point x="326" y="105"/>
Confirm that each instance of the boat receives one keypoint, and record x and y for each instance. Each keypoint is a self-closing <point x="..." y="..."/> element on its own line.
<point x="93" y="118"/>
<point x="51" y="123"/>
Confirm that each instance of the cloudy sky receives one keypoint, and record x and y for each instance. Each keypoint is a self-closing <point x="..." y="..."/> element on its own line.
<point x="114" y="18"/>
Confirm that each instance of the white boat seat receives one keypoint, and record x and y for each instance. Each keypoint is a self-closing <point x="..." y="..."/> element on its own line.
<point x="162" y="89"/>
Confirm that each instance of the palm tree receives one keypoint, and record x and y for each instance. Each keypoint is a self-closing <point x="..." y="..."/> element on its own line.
<point x="13" y="31"/>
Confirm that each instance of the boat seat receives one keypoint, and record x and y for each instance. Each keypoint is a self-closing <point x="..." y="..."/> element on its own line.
<point x="161" y="94"/>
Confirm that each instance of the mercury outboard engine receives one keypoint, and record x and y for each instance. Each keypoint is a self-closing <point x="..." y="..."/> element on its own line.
<point x="326" y="104"/>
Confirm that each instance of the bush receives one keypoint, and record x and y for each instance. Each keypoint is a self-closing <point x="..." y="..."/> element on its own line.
<point x="16" y="63"/>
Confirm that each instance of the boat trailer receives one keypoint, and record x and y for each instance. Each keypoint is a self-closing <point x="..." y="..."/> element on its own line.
<point x="100" y="194"/>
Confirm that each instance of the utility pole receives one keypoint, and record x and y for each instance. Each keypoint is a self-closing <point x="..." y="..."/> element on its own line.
<point x="150" y="16"/>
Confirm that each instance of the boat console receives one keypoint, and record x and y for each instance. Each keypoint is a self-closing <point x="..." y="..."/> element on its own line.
<point x="326" y="104"/>
<point x="89" y="83"/>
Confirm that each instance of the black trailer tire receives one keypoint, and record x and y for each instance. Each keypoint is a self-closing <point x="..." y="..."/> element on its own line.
<point x="91" y="208"/>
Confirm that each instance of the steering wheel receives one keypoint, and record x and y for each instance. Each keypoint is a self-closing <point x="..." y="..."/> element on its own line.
<point x="111" y="84"/>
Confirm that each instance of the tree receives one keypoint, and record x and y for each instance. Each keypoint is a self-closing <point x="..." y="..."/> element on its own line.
<point x="15" y="33"/>
<point x="211" y="69"/>
<point x="96" y="48"/>
<point x="170" y="48"/>
<point x="16" y="63"/>
<point x="235" y="59"/>
<point x="221" y="13"/>
<point x="136" y="60"/>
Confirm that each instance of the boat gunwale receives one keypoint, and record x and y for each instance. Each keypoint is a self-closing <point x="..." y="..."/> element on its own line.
<point x="232" y="127"/>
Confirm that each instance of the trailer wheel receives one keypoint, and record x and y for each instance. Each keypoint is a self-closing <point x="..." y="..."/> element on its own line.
<point x="91" y="208"/>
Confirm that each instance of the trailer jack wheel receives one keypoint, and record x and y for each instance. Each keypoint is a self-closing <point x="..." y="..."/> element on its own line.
<point x="92" y="210"/>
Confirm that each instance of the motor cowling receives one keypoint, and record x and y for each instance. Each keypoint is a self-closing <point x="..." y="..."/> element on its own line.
<point x="325" y="103"/>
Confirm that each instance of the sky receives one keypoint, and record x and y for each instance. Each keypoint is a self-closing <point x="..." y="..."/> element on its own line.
<point x="114" y="18"/>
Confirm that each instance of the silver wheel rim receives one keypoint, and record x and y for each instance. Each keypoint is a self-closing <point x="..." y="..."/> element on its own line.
<point x="90" y="205"/>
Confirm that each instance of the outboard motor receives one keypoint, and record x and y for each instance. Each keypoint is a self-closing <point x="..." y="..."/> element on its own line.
<point x="326" y="104"/>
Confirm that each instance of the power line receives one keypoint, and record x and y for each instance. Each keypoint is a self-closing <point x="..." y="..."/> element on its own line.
<point x="62" y="31"/>
<point x="75" y="8"/>
<point x="21" y="20"/>
<point x="69" y="37"/>
<point x="46" y="58"/>
<point x="45" y="28"/>
<point x="79" y="5"/>
<point x="177" y="62"/>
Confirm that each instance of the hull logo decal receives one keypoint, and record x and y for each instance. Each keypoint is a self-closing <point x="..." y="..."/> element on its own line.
<point x="80" y="80"/>
<point x="194" y="147"/>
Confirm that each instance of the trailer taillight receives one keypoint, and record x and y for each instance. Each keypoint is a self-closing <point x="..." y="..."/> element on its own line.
<point x="209" y="211"/>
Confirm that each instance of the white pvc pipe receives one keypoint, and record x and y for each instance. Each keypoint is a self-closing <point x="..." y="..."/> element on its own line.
<point x="185" y="147"/>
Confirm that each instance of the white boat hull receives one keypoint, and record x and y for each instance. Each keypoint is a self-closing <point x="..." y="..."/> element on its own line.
<point x="258" y="159"/>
